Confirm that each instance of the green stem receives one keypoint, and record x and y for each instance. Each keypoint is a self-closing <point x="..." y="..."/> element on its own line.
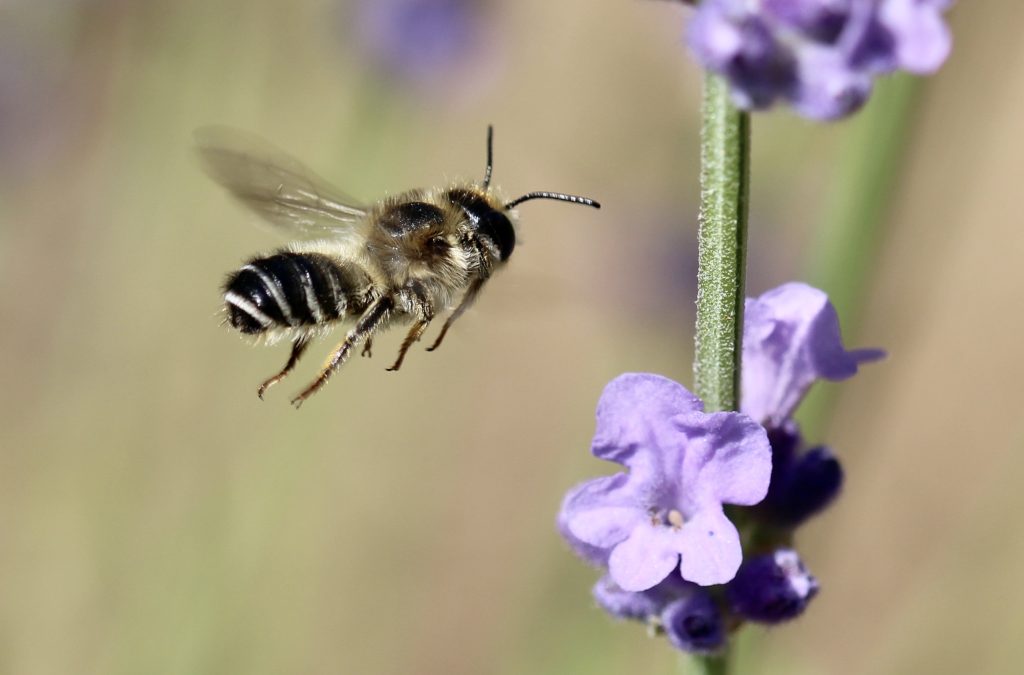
<point x="710" y="665"/>
<point x="725" y="159"/>
<point x="855" y="219"/>
<point x="724" y="178"/>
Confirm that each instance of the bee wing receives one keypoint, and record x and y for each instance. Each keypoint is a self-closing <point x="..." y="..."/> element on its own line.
<point x="275" y="185"/>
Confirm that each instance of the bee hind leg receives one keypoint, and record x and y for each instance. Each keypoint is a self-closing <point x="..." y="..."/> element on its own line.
<point x="371" y="319"/>
<point x="298" y="348"/>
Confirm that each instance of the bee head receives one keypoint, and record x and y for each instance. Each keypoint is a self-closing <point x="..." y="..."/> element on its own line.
<point x="486" y="220"/>
<point x="497" y="228"/>
<point x="495" y="225"/>
<point x="487" y="215"/>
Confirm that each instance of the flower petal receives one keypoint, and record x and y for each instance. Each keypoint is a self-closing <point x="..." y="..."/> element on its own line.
<point x="593" y="555"/>
<point x="728" y="460"/>
<point x="634" y="417"/>
<point x="645" y="558"/>
<point x="599" y="513"/>
<point x="711" y="549"/>
<point x="923" y="40"/>
<point x="627" y="604"/>
<point x="829" y="87"/>
<point x="791" y="338"/>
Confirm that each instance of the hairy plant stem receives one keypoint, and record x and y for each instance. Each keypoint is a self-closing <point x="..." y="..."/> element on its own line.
<point x="710" y="665"/>
<point x="725" y="159"/>
<point x="724" y="178"/>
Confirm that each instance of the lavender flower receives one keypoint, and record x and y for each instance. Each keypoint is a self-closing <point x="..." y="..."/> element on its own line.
<point x="660" y="529"/>
<point x="772" y="588"/>
<point x="790" y="340"/>
<point x="421" y="41"/>
<point x="820" y="56"/>
<point x="684" y="464"/>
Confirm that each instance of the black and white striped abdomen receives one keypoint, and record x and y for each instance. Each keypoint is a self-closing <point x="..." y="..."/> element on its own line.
<point x="290" y="290"/>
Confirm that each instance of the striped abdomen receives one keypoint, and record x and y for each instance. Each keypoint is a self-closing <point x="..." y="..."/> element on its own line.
<point x="289" y="290"/>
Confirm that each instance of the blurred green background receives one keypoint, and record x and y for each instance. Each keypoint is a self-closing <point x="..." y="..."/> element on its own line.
<point x="156" y="517"/>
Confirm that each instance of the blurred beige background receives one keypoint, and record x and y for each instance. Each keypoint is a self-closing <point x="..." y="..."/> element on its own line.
<point x="156" y="517"/>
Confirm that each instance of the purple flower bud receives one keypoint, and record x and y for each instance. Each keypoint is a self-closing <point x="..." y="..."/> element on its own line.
<point x="785" y="440"/>
<point x="694" y="624"/>
<point x="772" y="588"/>
<point x="803" y="487"/>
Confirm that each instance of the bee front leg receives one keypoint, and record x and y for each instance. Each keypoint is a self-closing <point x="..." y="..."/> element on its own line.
<point x="371" y="319"/>
<point x="298" y="347"/>
<point x="415" y="333"/>
<point x="467" y="300"/>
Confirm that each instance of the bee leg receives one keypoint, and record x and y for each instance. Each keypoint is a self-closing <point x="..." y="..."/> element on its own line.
<point x="298" y="347"/>
<point x="467" y="300"/>
<point x="371" y="319"/>
<point x="367" y="348"/>
<point x="415" y="333"/>
<point x="415" y="297"/>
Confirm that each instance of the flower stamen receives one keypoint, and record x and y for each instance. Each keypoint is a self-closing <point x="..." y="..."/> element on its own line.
<point x="676" y="519"/>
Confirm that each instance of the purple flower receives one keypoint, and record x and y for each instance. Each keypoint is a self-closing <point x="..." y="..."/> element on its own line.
<point x="818" y="55"/>
<point x="772" y="588"/>
<point x="421" y="41"/>
<point x="666" y="512"/>
<point x="790" y="340"/>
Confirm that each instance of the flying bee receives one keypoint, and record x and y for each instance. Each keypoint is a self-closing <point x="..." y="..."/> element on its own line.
<point x="408" y="258"/>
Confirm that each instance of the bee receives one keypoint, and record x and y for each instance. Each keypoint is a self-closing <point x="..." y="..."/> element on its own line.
<point x="408" y="258"/>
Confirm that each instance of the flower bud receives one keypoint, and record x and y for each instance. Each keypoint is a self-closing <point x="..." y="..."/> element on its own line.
<point x="694" y="624"/>
<point x="804" y="487"/>
<point x="772" y="588"/>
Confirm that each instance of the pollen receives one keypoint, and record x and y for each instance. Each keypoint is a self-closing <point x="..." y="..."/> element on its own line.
<point x="676" y="519"/>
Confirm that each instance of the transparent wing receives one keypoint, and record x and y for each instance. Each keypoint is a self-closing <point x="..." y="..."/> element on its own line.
<point x="275" y="185"/>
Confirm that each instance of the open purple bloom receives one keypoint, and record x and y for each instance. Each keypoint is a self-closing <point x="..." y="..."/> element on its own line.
<point x="684" y="464"/>
<point x="791" y="339"/>
<point x="820" y="56"/>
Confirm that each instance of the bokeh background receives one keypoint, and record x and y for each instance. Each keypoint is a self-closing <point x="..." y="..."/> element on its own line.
<point x="156" y="517"/>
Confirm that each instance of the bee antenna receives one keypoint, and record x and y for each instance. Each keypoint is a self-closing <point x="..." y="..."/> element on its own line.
<point x="490" y="156"/>
<point x="586" y="201"/>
